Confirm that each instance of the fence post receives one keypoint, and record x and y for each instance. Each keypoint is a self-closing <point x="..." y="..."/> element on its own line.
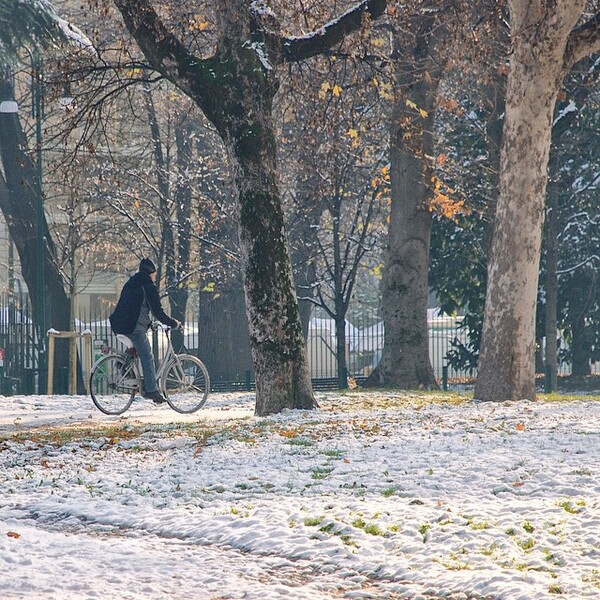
<point x="343" y="379"/>
<point x="445" y="378"/>
<point x="248" y="380"/>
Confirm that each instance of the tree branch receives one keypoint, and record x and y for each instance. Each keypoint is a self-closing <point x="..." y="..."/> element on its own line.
<point x="296" y="49"/>
<point x="584" y="40"/>
<point x="163" y="50"/>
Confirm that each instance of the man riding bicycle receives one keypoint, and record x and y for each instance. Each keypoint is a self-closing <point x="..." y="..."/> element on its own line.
<point x="131" y="317"/>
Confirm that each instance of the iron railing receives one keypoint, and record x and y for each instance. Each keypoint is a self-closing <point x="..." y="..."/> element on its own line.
<point x="20" y="364"/>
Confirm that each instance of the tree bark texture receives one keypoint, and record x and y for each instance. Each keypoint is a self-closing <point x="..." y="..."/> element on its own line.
<point x="540" y="34"/>
<point x="405" y="361"/>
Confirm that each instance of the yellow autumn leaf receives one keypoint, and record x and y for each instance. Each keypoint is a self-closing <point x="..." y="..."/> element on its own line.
<point x="198" y="24"/>
<point x="423" y="113"/>
<point x="353" y="133"/>
<point x="411" y="104"/>
<point x="337" y="90"/>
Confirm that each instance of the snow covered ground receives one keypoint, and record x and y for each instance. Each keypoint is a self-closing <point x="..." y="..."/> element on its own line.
<point x="372" y="496"/>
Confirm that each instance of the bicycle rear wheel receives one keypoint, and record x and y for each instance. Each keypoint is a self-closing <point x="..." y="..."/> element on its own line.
<point x="113" y="384"/>
<point x="186" y="383"/>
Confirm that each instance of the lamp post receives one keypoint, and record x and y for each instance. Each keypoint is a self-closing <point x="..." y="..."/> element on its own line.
<point x="37" y="92"/>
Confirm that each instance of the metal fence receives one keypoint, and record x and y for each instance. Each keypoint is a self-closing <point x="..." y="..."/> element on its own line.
<point x="19" y="350"/>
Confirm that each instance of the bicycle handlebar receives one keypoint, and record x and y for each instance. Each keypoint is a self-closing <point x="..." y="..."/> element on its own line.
<point x="156" y="325"/>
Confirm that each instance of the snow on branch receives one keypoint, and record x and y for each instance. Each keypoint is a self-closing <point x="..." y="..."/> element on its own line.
<point x="584" y="262"/>
<point x="569" y="108"/>
<point x="316" y="42"/>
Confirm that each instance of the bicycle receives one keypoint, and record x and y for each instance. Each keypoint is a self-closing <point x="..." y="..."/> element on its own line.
<point x="115" y="379"/>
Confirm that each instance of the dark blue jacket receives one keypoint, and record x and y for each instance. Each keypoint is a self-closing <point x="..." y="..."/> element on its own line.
<point x="127" y="312"/>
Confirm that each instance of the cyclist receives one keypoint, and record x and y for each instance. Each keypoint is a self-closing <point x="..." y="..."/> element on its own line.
<point x="131" y="317"/>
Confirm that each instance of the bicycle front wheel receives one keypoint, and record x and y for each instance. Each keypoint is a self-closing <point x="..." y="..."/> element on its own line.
<point x="186" y="383"/>
<point x="113" y="384"/>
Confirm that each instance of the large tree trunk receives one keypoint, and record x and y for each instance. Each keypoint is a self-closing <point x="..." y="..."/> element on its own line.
<point x="537" y="62"/>
<point x="507" y="359"/>
<point x="244" y="120"/>
<point x="405" y="361"/>
<point x="280" y="363"/>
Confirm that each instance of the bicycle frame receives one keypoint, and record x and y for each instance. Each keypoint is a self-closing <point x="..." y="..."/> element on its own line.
<point x="182" y="378"/>
<point x="165" y="361"/>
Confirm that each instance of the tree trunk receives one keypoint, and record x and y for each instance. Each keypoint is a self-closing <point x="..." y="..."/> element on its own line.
<point x="342" y="365"/>
<point x="223" y="340"/>
<point x="507" y="359"/>
<point x="179" y="291"/>
<point x="550" y="327"/>
<point x="405" y="361"/>
<point x="278" y="350"/>
<point x="580" y="351"/>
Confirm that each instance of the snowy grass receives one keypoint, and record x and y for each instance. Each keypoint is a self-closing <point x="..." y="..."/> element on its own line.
<point x="375" y="495"/>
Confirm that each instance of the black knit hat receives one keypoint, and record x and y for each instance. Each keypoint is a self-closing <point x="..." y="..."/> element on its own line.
<point x="147" y="266"/>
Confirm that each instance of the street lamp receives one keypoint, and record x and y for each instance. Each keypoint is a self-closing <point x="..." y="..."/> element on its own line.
<point x="37" y="92"/>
